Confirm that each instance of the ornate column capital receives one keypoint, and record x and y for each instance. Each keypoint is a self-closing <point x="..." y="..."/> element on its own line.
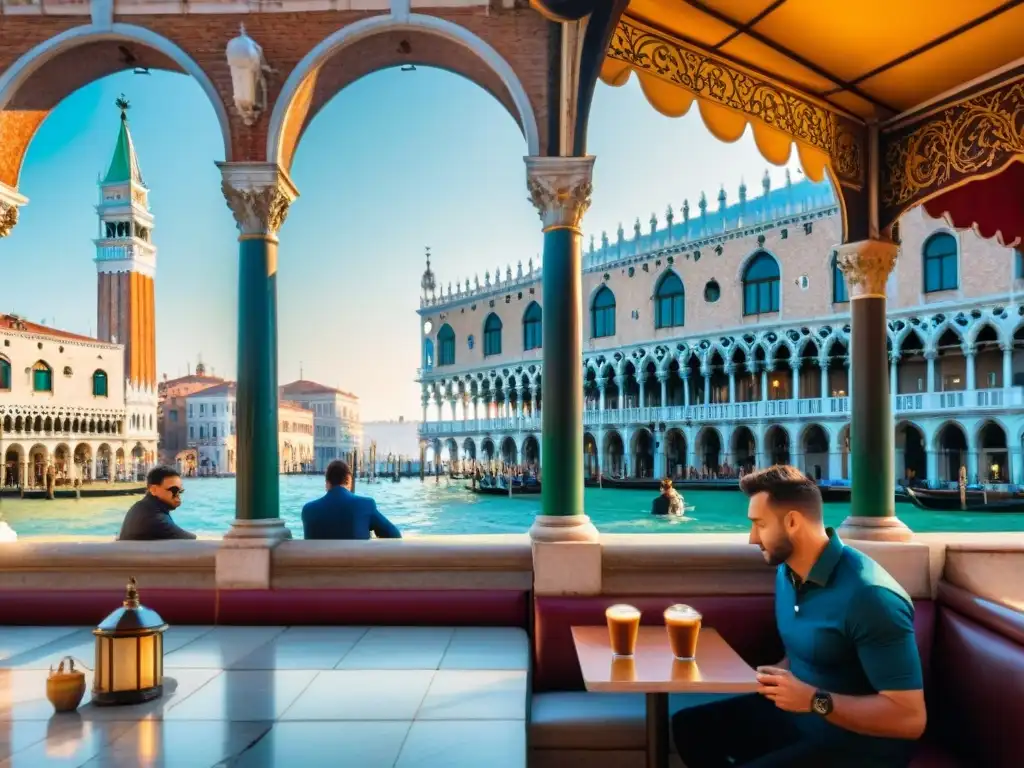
<point x="729" y="368"/>
<point x="867" y="265"/>
<point x="10" y="202"/>
<point x="602" y="382"/>
<point x="796" y="363"/>
<point x="258" y="194"/>
<point x="560" y="189"/>
<point x="663" y="376"/>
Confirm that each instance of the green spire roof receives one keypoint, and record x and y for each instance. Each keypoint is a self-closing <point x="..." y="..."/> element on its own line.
<point x="124" y="165"/>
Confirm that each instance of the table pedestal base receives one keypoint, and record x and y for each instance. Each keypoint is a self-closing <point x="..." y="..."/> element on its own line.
<point x="657" y="730"/>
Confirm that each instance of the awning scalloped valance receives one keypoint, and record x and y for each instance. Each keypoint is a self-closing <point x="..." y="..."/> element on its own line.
<point x="992" y="206"/>
<point x="724" y="123"/>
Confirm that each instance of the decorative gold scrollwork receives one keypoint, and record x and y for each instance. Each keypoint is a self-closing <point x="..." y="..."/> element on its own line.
<point x="717" y="81"/>
<point x="978" y="136"/>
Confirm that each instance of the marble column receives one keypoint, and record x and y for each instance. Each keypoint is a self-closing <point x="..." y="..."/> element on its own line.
<point x="969" y="360"/>
<point x="1007" y="364"/>
<point x="620" y="383"/>
<point x="685" y="374"/>
<point x="794" y="366"/>
<point x="641" y="377"/>
<point x="258" y="195"/>
<point x="706" y="373"/>
<point x="894" y="373"/>
<point x="426" y="404"/>
<point x="764" y="382"/>
<point x="730" y="368"/>
<point x="602" y="382"/>
<point x="10" y="202"/>
<point x="867" y="266"/>
<point x="823" y="364"/>
<point x="663" y="381"/>
<point x="929" y="357"/>
<point x="560" y="188"/>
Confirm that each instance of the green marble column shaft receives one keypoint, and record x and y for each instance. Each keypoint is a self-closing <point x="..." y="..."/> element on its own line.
<point x="256" y="462"/>
<point x="562" y="383"/>
<point x="871" y="426"/>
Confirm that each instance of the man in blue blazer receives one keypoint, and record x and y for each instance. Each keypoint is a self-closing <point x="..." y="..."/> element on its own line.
<point x="340" y="514"/>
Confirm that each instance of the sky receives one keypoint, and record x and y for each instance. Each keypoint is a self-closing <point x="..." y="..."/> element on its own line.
<point x="395" y="162"/>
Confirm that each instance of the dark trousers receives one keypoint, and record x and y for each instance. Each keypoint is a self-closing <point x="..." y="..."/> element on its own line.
<point x="750" y="731"/>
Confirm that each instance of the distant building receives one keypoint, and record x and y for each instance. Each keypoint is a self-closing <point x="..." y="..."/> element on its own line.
<point x="211" y="432"/>
<point x="172" y="414"/>
<point x="395" y="437"/>
<point x="337" y="428"/>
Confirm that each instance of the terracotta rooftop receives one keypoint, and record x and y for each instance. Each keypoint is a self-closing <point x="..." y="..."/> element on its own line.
<point x="191" y="379"/>
<point x="305" y="387"/>
<point x="224" y="388"/>
<point x="290" y="406"/>
<point x="20" y="324"/>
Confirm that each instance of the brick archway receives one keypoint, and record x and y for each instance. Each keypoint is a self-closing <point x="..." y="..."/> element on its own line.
<point x="376" y="43"/>
<point x="58" y="66"/>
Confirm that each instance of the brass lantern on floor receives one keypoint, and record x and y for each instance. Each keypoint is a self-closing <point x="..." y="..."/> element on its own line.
<point x="129" y="654"/>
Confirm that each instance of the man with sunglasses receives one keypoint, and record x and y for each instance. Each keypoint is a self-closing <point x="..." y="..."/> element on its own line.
<point x="149" y="519"/>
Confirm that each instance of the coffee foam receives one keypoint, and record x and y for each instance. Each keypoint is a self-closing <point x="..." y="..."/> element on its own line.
<point x="622" y="611"/>
<point x="681" y="612"/>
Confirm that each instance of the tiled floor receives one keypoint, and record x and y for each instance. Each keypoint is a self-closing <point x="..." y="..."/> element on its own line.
<point x="379" y="697"/>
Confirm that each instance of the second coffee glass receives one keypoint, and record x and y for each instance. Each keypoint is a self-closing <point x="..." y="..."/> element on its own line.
<point x="683" y="626"/>
<point x="623" y="628"/>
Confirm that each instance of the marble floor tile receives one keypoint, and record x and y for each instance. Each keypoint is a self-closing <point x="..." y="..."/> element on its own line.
<point x="487" y="648"/>
<point x="362" y="695"/>
<point x="399" y="648"/>
<point x="70" y="743"/>
<point x="221" y="647"/>
<point x="464" y="744"/>
<point x="303" y="648"/>
<point x="328" y="745"/>
<point x="475" y="695"/>
<point x="179" y="744"/>
<point x="244" y="695"/>
<point x="16" y="641"/>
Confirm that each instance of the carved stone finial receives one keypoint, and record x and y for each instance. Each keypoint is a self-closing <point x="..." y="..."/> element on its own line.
<point x="867" y="265"/>
<point x="686" y="211"/>
<point x="560" y="189"/>
<point x="703" y="203"/>
<point x="766" y="181"/>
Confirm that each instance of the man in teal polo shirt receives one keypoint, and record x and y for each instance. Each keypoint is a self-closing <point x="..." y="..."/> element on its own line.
<point x="848" y="693"/>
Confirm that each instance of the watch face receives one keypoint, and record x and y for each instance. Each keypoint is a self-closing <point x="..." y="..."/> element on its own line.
<point x="428" y="327"/>
<point x="821" y="704"/>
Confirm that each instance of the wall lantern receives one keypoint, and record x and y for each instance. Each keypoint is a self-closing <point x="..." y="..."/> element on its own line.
<point x="129" y="654"/>
<point x="245" y="58"/>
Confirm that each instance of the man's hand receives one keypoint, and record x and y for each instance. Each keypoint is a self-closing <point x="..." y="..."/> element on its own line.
<point x="788" y="693"/>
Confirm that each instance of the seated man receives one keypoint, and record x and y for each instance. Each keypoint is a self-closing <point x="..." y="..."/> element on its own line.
<point x="340" y="514"/>
<point x="848" y="693"/>
<point x="149" y="519"/>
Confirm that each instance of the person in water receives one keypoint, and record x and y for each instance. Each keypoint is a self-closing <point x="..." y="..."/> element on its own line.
<point x="669" y="502"/>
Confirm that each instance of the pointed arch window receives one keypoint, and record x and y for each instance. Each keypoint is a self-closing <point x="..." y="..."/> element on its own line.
<point x="602" y="314"/>
<point x="940" y="268"/>
<point x="446" y="345"/>
<point x="532" y="333"/>
<point x="99" y="384"/>
<point x="492" y="335"/>
<point x="761" y="285"/>
<point x="5" y="374"/>
<point x="42" y="377"/>
<point x="669" y="302"/>
<point x="840" y="294"/>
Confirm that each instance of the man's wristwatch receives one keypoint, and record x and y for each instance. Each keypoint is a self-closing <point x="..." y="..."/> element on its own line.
<point x="821" y="703"/>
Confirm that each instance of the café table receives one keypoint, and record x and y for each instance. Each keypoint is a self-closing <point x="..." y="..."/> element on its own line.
<point x="655" y="672"/>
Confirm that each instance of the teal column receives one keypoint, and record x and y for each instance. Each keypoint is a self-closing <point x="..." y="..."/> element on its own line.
<point x="562" y="385"/>
<point x="560" y="188"/>
<point x="258" y="195"/>
<point x="257" y="464"/>
<point x="867" y="266"/>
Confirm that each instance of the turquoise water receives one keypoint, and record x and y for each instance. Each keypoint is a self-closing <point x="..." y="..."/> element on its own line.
<point x="432" y="508"/>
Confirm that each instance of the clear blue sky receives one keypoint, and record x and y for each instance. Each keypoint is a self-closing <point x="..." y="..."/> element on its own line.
<point x="395" y="162"/>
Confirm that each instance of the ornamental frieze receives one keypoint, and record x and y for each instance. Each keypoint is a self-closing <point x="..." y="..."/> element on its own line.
<point x="717" y="81"/>
<point x="973" y="138"/>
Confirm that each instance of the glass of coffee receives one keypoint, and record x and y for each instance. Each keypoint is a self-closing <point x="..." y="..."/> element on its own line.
<point x="623" y="627"/>
<point x="683" y="626"/>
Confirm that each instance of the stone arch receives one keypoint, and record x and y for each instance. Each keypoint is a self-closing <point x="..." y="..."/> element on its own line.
<point x="18" y="94"/>
<point x="641" y="451"/>
<point x="10" y="464"/>
<point x="778" y="447"/>
<point x="951" y="445"/>
<point x="613" y="451"/>
<point x="936" y="333"/>
<point x="978" y="326"/>
<point x="509" y="450"/>
<point x="709" y="448"/>
<point x="531" y="451"/>
<point x="911" y="440"/>
<point x="815" y="440"/>
<point x="300" y="99"/>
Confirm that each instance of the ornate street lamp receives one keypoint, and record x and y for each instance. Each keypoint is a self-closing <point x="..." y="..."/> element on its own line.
<point x="129" y="654"/>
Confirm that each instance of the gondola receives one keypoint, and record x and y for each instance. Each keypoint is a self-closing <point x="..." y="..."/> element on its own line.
<point x="975" y="501"/>
<point x="517" y="490"/>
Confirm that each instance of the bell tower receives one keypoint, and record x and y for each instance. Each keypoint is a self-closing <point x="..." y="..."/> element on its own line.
<point x="126" y="261"/>
<point x="126" y="302"/>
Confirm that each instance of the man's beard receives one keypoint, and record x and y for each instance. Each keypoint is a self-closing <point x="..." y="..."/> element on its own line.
<point x="779" y="553"/>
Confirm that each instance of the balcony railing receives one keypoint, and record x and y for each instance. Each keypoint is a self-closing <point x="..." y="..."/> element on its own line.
<point x="978" y="400"/>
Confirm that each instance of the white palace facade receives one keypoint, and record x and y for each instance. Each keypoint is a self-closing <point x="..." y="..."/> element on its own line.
<point x="87" y="408"/>
<point x="719" y="339"/>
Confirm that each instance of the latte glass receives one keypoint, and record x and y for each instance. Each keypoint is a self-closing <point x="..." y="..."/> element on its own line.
<point x="683" y="626"/>
<point x="623" y="628"/>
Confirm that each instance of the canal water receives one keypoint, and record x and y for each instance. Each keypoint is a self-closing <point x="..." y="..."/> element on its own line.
<point x="444" y="508"/>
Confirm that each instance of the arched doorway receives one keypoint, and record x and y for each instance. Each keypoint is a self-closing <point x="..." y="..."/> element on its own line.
<point x="643" y="454"/>
<point x="814" y="447"/>
<point x="776" y="445"/>
<point x="452" y="450"/>
<point x="675" y="453"/>
<point x="12" y="466"/>
<point x="487" y="450"/>
<point x="911" y="457"/>
<point x="509" y="451"/>
<point x="103" y="460"/>
<point x="590" y="455"/>
<point x="38" y="459"/>
<point x="614" y="454"/>
<point x="531" y="452"/>
<point x="709" y="450"/>
<point x="994" y="456"/>
<point x="469" y="449"/>
<point x="951" y="445"/>
<point x="744" y="449"/>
